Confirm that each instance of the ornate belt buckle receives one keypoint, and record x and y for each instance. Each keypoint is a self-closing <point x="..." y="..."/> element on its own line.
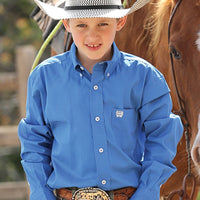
<point x="90" y="193"/>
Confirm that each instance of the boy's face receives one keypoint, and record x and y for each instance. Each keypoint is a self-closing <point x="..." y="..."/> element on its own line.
<point x="94" y="37"/>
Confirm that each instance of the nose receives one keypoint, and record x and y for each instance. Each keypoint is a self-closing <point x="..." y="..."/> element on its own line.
<point x="92" y="33"/>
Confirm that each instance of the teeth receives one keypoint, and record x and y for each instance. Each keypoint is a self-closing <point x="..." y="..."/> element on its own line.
<point x="94" y="45"/>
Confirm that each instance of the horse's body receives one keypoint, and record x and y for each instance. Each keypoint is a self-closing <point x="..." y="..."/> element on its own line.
<point x="152" y="44"/>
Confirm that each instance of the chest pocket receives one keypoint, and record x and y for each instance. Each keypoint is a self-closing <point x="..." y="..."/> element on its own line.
<point x="125" y="127"/>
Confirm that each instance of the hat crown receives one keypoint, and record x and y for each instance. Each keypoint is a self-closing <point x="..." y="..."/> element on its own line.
<point x="73" y="9"/>
<point x="74" y="3"/>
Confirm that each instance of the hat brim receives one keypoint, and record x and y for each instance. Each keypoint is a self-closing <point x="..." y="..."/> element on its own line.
<point x="59" y="13"/>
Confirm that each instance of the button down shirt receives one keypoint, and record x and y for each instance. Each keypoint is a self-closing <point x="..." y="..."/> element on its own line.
<point x="109" y="129"/>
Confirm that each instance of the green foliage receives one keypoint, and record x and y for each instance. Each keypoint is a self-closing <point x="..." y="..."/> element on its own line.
<point x="16" y="28"/>
<point x="10" y="165"/>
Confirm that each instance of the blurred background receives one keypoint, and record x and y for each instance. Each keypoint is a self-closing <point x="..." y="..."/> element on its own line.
<point x="19" y="37"/>
<point x="17" y="30"/>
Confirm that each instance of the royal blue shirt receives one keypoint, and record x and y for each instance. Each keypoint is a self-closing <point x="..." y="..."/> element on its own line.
<point x="111" y="129"/>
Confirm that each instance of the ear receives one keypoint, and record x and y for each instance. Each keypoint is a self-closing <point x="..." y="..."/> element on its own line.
<point x="121" y="22"/>
<point x="66" y="24"/>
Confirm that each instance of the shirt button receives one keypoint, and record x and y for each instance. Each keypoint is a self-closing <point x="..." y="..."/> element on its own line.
<point x="97" y="119"/>
<point x="101" y="150"/>
<point x="108" y="74"/>
<point x="103" y="182"/>
<point x="96" y="87"/>
<point x="81" y="68"/>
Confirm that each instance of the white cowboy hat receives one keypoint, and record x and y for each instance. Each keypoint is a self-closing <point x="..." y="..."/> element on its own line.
<point x="89" y="8"/>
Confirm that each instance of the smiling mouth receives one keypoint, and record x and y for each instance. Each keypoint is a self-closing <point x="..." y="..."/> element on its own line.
<point x="93" y="46"/>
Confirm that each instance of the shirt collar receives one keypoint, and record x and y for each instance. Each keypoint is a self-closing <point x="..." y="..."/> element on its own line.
<point x="111" y="64"/>
<point x="75" y="60"/>
<point x="114" y="62"/>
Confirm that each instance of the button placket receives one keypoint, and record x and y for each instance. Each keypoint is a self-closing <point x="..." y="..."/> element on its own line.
<point x="98" y="128"/>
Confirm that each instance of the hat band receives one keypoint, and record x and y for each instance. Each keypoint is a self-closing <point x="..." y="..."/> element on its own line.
<point x="93" y="7"/>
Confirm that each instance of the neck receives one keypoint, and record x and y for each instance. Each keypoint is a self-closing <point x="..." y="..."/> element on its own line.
<point x="88" y="63"/>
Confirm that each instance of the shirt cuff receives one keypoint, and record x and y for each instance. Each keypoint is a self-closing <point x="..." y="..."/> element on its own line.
<point x="45" y="194"/>
<point x="37" y="175"/>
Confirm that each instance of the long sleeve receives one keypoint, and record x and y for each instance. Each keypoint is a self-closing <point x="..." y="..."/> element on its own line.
<point x="36" y="142"/>
<point x="163" y="131"/>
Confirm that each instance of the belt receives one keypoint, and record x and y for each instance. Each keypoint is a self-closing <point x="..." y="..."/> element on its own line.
<point x="94" y="193"/>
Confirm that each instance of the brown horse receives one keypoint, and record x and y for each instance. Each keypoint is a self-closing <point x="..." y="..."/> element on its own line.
<point x="146" y="35"/>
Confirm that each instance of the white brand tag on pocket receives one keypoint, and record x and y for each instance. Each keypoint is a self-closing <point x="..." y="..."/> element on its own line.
<point x="119" y="113"/>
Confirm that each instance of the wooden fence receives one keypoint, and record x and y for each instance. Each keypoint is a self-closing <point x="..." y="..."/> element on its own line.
<point x="8" y="134"/>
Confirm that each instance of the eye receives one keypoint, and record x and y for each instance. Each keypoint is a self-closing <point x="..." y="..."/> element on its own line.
<point x="175" y="53"/>
<point x="81" y="25"/>
<point x="103" y="24"/>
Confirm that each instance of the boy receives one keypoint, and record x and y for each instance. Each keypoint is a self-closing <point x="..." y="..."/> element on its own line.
<point x="98" y="122"/>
